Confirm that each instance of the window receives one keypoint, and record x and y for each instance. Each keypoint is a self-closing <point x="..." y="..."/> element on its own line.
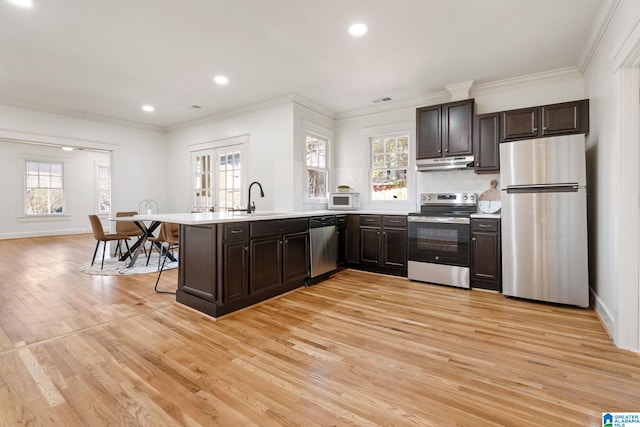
<point x="44" y="188"/>
<point x="218" y="177"/>
<point x="389" y="164"/>
<point x="317" y="167"/>
<point x="103" y="174"/>
<point x="203" y="179"/>
<point x="230" y="182"/>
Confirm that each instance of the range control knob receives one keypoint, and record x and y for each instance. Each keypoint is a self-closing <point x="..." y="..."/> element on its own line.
<point x="465" y="197"/>
<point x="428" y="197"/>
<point x="471" y="197"/>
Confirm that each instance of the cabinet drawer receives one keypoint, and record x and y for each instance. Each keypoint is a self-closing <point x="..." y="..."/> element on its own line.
<point x="236" y="231"/>
<point x="372" y="220"/>
<point x="284" y="226"/>
<point x="485" y="225"/>
<point x="341" y="220"/>
<point x="394" y="221"/>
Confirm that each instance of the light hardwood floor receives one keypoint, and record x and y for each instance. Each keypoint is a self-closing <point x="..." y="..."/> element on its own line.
<point x="358" y="349"/>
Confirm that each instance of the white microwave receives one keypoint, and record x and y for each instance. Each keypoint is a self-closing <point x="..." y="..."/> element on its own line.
<point x="344" y="201"/>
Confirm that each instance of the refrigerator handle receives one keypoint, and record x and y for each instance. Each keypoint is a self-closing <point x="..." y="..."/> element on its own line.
<point x="543" y="188"/>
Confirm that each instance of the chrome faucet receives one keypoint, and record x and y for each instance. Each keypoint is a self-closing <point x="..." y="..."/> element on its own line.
<point x="252" y="208"/>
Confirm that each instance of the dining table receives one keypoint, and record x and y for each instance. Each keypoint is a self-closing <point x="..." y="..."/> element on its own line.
<point x="147" y="231"/>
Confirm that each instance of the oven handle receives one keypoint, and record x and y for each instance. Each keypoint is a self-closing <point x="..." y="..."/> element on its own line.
<point x="439" y="219"/>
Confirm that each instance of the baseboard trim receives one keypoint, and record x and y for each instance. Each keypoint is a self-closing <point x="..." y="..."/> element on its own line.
<point x="44" y="233"/>
<point x="605" y="316"/>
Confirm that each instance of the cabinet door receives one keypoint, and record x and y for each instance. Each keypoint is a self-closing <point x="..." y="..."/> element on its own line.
<point x="487" y="142"/>
<point x="295" y="266"/>
<point x="198" y="261"/>
<point x="370" y="245"/>
<point x="457" y="128"/>
<point x="520" y="124"/>
<point x="266" y="263"/>
<point x="235" y="270"/>
<point x="341" y="232"/>
<point x="429" y="136"/>
<point x="562" y="119"/>
<point x="394" y="243"/>
<point x="485" y="256"/>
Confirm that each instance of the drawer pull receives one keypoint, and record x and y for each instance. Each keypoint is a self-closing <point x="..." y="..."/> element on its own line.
<point x="236" y="231"/>
<point x="484" y="225"/>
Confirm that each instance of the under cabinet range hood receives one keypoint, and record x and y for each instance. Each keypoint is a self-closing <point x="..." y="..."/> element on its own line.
<point x="444" y="163"/>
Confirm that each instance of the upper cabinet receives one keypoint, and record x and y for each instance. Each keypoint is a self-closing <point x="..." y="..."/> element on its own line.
<point x="445" y="130"/>
<point x="547" y="120"/>
<point x="486" y="142"/>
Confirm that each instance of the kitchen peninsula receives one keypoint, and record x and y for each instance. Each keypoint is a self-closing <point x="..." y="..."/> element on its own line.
<point x="229" y="261"/>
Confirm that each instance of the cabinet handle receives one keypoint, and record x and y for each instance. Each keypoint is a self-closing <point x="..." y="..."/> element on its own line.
<point x="484" y="225"/>
<point x="236" y="231"/>
<point x="246" y="248"/>
<point x="395" y="221"/>
<point x="544" y="128"/>
<point x="446" y="149"/>
<point x="439" y="151"/>
<point x="286" y="242"/>
<point x="535" y="129"/>
<point x="473" y="239"/>
<point x="280" y="242"/>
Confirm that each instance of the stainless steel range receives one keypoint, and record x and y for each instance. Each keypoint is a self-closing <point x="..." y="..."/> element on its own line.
<point x="439" y="239"/>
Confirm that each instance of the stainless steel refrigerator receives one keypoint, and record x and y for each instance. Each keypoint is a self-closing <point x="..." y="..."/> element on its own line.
<point x="544" y="220"/>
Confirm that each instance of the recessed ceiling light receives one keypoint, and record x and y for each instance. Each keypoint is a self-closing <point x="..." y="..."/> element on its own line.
<point x="67" y="148"/>
<point x="22" y="3"/>
<point x="148" y="108"/>
<point x="358" y="29"/>
<point x="221" y="80"/>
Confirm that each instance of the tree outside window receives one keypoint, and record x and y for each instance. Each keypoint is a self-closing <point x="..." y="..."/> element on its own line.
<point x="104" y="189"/>
<point x="317" y="167"/>
<point x="44" y="188"/>
<point x="389" y="163"/>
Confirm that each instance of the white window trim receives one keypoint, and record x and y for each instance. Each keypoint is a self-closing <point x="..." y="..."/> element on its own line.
<point x="382" y="131"/>
<point x="22" y="206"/>
<point x="240" y="140"/>
<point x="96" y="197"/>
<point x="311" y="129"/>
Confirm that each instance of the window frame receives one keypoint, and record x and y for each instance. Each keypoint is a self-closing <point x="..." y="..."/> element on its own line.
<point x="237" y="143"/>
<point x="371" y="138"/>
<point x="25" y="188"/>
<point x="98" y="189"/>
<point x="312" y="130"/>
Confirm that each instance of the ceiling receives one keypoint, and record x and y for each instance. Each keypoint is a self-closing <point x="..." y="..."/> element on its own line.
<point x="105" y="59"/>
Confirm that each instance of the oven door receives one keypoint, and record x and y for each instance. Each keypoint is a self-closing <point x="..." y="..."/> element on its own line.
<point x="439" y="240"/>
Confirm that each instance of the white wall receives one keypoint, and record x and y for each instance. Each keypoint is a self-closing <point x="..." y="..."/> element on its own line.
<point x="353" y="131"/>
<point x="138" y="161"/>
<point x="613" y="165"/>
<point x="269" y="132"/>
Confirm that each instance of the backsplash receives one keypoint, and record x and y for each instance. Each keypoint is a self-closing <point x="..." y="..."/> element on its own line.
<point x="454" y="181"/>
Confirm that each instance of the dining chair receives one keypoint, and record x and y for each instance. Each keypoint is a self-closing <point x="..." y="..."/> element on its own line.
<point x="169" y="234"/>
<point x="98" y="234"/>
<point x="128" y="228"/>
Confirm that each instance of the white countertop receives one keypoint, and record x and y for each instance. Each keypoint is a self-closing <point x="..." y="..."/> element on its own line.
<point x="485" y="215"/>
<point x="221" y="217"/>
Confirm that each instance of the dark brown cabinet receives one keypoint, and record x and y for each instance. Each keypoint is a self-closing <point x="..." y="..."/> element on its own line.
<point x="228" y="266"/>
<point x="546" y="120"/>
<point x="234" y="271"/>
<point x="445" y="130"/>
<point x="383" y="242"/>
<point x="343" y="239"/>
<point x="486" y="258"/>
<point x="197" y="273"/>
<point x="486" y="140"/>
<point x="279" y="254"/>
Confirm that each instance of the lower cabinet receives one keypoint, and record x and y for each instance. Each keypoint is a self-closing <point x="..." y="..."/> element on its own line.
<point x="486" y="254"/>
<point x="234" y="261"/>
<point x="383" y="243"/>
<point x="225" y="267"/>
<point x="343" y="239"/>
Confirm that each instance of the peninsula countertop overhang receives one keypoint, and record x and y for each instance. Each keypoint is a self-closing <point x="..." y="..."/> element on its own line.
<point x="228" y="217"/>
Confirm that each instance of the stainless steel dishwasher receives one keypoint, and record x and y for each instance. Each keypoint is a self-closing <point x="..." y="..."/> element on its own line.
<point x="323" y="243"/>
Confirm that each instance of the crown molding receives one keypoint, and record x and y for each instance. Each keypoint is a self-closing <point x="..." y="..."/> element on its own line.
<point x="598" y="30"/>
<point x="431" y="99"/>
<point x="17" y="136"/>
<point x="77" y="115"/>
<point x="528" y="80"/>
<point x="627" y="52"/>
<point x="459" y="91"/>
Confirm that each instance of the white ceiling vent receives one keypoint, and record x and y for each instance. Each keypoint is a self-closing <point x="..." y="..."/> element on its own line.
<point x="383" y="99"/>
